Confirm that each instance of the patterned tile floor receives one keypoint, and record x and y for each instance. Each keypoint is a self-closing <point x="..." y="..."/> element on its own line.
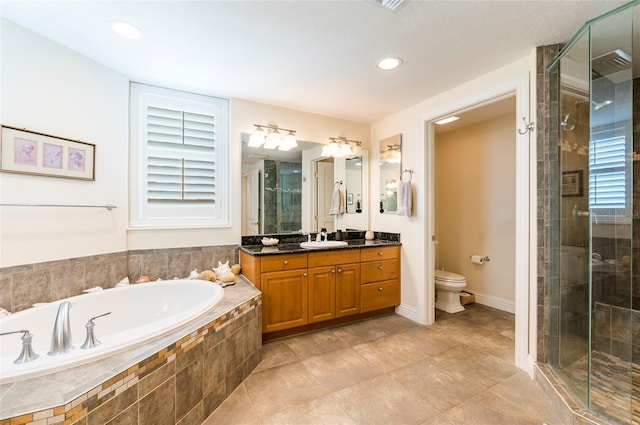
<point x="390" y="370"/>
<point x="611" y="386"/>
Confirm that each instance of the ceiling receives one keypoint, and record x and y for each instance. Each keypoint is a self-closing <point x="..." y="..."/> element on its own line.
<point x="314" y="56"/>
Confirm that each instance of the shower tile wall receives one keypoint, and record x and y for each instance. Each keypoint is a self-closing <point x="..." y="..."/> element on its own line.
<point x="23" y="286"/>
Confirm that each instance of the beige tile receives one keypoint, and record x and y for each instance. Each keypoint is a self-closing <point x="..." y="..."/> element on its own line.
<point x="497" y="345"/>
<point x="314" y="343"/>
<point x="460" y="329"/>
<point x="480" y="366"/>
<point x="236" y="409"/>
<point x="394" y="323"/>
<point x="276" y="354"/>
<point x="382" y="400"/>
<point x="438" y="420"/>
<point x="341" y="368"/>
<point x="388" y="355"/>
<point x="281" y="388"/>
<point x="321" y="411"/>
<point x="356" y="333"/>
<point x="488" y="409"/>
<point x="426" y="341"/>
<point x="439" y="382"/>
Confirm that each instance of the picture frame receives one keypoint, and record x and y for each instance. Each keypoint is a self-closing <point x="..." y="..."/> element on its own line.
<point x="349" y="198"/>
<point x="572" y="183"/>
<point x="24" y="151"/>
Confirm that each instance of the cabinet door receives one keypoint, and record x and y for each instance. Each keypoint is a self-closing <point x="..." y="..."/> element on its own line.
<point x="380" y="295"/>
<point x="347" y="289"/>
<point x="322" y="293"/>
<point x="284" y="300"/>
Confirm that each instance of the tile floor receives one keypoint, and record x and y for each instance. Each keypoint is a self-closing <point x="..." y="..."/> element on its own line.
<point x="392" y="371"/>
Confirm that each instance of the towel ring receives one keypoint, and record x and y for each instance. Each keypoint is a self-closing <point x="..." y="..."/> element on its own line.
<point x="410" y="171"/>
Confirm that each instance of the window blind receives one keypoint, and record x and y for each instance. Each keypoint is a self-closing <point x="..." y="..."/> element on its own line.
<point x="181" y="166"/>
<point x="607" y="174"/>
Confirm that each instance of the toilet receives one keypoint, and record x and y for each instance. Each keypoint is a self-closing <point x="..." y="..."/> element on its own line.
<point x="449" y="286"/>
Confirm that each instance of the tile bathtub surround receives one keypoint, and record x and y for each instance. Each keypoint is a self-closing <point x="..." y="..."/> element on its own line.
<point x="23" y="286"/>
<point x="185" y="380"/>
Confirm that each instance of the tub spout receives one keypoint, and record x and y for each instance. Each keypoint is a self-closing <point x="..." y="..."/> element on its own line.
<point x="61" y="339"/>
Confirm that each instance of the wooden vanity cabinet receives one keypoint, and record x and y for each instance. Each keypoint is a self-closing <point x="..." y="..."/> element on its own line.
<point x="379" y="278"/>
<point x="284" y="300"/>
<point x="334" y="284"/>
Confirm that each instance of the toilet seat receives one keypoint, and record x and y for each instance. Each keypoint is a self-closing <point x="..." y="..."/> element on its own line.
<point x="445" y="276"/>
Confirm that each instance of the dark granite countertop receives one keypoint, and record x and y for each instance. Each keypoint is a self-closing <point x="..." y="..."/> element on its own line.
<point x="294" y="248"/>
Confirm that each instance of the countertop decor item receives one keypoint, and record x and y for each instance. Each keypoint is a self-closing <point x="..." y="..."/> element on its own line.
<point x="369" y="235"/>
<point x="270" y="241"/>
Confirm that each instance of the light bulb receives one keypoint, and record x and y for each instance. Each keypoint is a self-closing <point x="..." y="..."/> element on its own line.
<point x="289" y="142"/>
<point x="257" y="138"/>
<point x="273" y="140"/>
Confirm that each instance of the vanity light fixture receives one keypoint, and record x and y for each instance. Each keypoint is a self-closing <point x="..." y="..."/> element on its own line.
<point x="392" y="155"/>
<point x="271" y="138"/>
<point x="447" y="120"/>
<point x="125" y="29"/>
<point x="388" y="64"/>
<point x="341" y="147"/>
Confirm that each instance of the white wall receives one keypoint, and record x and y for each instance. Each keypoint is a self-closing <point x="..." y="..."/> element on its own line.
<point x="50" y="89"/>
<point x="475" y="172"/>
<point x="416" y="230"/>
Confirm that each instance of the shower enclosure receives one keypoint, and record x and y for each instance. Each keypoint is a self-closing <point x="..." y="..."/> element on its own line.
<point x="592" y="274"/>
<point x="282" y="196"/>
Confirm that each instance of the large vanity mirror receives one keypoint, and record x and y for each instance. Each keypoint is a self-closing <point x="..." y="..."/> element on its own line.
<point x="390" y="171"/>
<point x="289" y="191"/>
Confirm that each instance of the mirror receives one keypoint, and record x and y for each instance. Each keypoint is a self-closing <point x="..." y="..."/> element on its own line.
<point x="281" y="192"/>
<point x="390" y="171"/>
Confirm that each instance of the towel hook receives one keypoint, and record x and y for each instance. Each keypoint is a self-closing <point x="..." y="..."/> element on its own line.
<point x="407" y="170"/>
<point x="565" y="126"/>
<point x="527" y="127"/>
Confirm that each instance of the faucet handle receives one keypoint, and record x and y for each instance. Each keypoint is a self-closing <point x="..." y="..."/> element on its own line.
<point x="91" y="340"/>
<point x="27" y="354"/>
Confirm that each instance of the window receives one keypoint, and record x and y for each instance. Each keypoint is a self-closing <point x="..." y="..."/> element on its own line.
<point x="179" y="159"/>
<point x="608" y="168"/>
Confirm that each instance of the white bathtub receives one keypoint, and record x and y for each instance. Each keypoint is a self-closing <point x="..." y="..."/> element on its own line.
<point x="138" y="313"/>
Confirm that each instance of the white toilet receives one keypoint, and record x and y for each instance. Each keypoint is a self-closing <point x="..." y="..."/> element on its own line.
<point x="449" y="286"/>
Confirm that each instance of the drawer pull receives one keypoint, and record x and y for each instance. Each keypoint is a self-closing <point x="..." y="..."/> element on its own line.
<point x="286" y="262"/>
<point x="380" y="253"/>
<point x="379" y="267"/>
<point x="380" y="289"/>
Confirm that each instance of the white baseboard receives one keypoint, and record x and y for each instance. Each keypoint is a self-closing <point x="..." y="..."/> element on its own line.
<point x="410" y="313"/>
<point x="495" y="302"/>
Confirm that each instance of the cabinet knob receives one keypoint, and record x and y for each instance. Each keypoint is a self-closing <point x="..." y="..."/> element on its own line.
<point x="305" y="275"/>
<point x="380" y="253"/>
<point x="339" y="270"/>
<point x="379" y="267"/>
<point x="380" y="289"/>
<point x="333" y="271"/>
<point x="286" y="262"/>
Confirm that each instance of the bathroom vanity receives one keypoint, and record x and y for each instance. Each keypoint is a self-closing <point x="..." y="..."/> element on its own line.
<point x="306" y="289"/>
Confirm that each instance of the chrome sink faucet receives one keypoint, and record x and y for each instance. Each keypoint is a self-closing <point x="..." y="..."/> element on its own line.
<point x="61" y="341"/>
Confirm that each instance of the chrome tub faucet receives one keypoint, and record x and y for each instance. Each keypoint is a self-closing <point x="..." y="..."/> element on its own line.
<point x="61" y="341"/>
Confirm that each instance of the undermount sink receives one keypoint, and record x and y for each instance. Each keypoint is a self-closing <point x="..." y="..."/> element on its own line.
<point x="323" y="244"/>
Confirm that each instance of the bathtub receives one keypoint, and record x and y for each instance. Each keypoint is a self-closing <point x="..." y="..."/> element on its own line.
<point x="139" y="313"/>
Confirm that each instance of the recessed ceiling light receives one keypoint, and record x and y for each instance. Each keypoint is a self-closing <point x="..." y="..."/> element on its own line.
<point x="387" y="64"/>
<point x="447" y="120"/>
<point x="126" y="30"/>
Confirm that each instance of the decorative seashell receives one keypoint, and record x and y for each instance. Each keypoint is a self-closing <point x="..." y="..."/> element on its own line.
<point x="143" y="279"/>
<point x="123" y="282"/>
<point x="236" y="269"/>
<point x="193" y="275"/>
<point x="208" y="275"/>
<point x="4" y="312"/>
<point x="222" y="268"/>
<point x="228" y="277"/>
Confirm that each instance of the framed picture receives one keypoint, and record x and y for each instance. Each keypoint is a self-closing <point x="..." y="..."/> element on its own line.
<point x="28" y="152"/>
<point x="349" y="198"/>
<point x="572" y="183"/>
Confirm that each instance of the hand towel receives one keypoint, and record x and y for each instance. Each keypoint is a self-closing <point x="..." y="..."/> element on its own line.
<point x="404" y="198"/>
<point x="337" y="202"/>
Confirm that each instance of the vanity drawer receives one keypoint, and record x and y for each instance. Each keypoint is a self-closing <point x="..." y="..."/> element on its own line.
<point x="374" y="296"/>
<point x="331" y="258"/>
<point x="276" y="263"/>
<point x="379" y="253"/>
<point x="375" y="271"/>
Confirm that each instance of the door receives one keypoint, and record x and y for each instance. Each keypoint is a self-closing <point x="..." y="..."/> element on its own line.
<point x="347" y="289"/>
<point x="322" y="293"/>
<point x="284" y="302"/>
<point x="325" y="184"/>
<point x="253" y="201"/>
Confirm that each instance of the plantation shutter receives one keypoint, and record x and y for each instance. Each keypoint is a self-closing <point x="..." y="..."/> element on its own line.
<point x="607" y="184"/>
<point x="181" y="166"/>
